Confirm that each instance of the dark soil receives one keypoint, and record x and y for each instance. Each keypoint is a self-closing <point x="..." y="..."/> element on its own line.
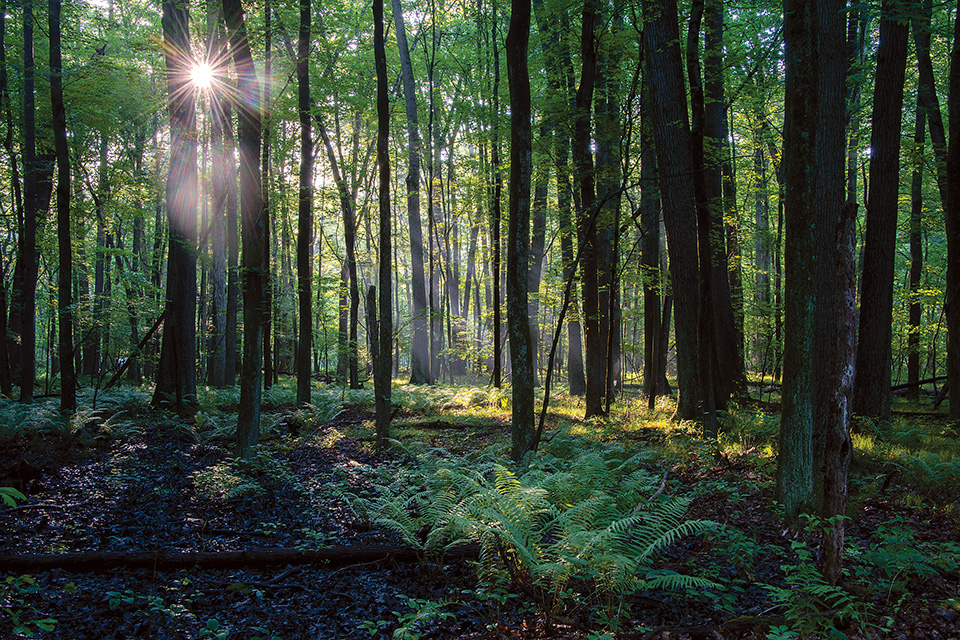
<point x="152" y="489"/>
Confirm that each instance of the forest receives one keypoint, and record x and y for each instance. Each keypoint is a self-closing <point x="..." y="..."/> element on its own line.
<point x="588" y="319"/>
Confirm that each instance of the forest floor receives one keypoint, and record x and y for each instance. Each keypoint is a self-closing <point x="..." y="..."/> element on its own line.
<point x="125" y="478"/>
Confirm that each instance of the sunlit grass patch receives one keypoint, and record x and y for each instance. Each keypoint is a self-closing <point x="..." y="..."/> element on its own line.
<point x="234" y="478"/>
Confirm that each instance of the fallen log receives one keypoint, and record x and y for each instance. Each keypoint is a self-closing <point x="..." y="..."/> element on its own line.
<point x="328" y="557"/>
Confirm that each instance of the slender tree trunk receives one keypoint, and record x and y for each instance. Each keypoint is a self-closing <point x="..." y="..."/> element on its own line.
<point x="496" y="216"/>
<point x="383" y="365"/>
<point x="304" y="211"/>
<point x="420" y="349"/>
<point x="6" y="380"/>
<point x="872" y="395"/>
<point x="68" y="376"/>
<point x="255" y="262"/>
<point x="671" y="137"/>
<point x="727" y="338"/>
<point x="31" y="186"/>
<point x="518" y="231"/>
<point x="588" y="218"/>
<point x="707" y="347"/>
<point x="268" y="303"/>
<point x="650" y="256"/>
<point x="176" y="374"/>
<point x="537" y="255"/>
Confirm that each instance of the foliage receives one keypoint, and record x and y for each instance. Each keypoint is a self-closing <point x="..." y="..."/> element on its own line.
<point x="9" y="495"/>
<point x="813" y="608"/>
<point x="412" y="624"/>
<point x="13" y="593"/>
<point x="595" y="520"/>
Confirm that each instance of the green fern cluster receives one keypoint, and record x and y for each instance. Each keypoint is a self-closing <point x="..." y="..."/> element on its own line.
<point x="598" y="524"/>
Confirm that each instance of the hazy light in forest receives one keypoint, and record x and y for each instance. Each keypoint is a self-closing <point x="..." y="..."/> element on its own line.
<point x="202" y="75"/>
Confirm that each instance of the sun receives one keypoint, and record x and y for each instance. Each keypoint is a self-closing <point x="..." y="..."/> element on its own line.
<point x="202" y="75"/>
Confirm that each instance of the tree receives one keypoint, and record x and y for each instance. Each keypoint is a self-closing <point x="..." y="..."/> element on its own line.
<point x="794" y="482"/>
<point x="419" y="348"/>
<point x="304" y="211"/>
<point x="518" y="230"/>
<point x="872" y="394"/>
<point x="177" y="374"/>
<point x="383" y="365"/>
<point x="255" y="261"/>
<point x="952" y="211"/>
<point x="31" y="187"/>
<point x="68" y="376"/>
<point x="671" y="134"/>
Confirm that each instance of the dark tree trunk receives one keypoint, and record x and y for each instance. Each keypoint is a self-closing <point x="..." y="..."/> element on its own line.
<point x="650" y="257"/>
<point x="727" y="337"/>
<point x="230" y="364"/>
<point x="253" y="216"/>
<point x="671" y="132"/>
<point x="794" y="482"/>
<point x="952" y="210"/>
<point x="6" y="380"/>
<point x="518" y="230"/>
<point x="588" y="219"/>
<point x="384" y="354"/>
<point x="835" y="287"/>
<point x="31" y="187"/>
<point x="872" y="395"/>
<point x="304" y="211"/>
<point x="350" y="240"/>
<point x="68" y="376"/>
<point x="265" y="125"/>
<point x="176" y="373"/>
<point x="705" y="323"/>
<point x="496" y="215"/>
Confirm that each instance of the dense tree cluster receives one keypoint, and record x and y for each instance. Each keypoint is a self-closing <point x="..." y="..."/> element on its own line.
<point x="681" y="192"/>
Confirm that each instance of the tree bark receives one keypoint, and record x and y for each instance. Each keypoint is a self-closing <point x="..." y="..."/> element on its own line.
<point x="952" y="211"/>
<point x="384" y="364"/>
<point x="794" y="481"/>
<point x="419" y="349"/>
<point x="304" y="212"/>
<point x="176" y="374"/>
<point x="255" y="261"/>
<point x="587" y="219"/>
<point x="29" y="257"/>
<point x="671" y="132"/>
<point x="518" y="230"/>
<point x="871" y="396"/>
<point x="68" y="376"/>
<point x="916" y="258"/>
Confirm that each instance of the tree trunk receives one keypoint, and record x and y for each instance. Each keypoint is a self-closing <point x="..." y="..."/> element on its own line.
<point x="304" y="211"/>
<point x="952" y="210"/>
<point x="650" y="257"/>
<point x="537" y="256"/>
<point x="383" y="364"/>
<point x="794" y="482"/>
<point x="420" y="349"/>
<point x="219" y="133"/>
<point x="265" y="127"/>
<point x="29" y="257"/>
<point x="253" y="216"/>
<point x="68" y="376"/>
<point x="176" y="373"/>
<point x="518" y="230"/>
<point x="496" y="215"/>
<point x="872" y="396"/>
<point x="671" y="132"/>
<point x="588" y="219"/>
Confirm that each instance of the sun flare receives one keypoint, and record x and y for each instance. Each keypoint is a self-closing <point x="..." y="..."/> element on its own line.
<point x="202" y="75"/>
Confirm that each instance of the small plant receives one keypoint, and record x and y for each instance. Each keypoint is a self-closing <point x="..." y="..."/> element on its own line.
<point x="413" y="624"/>
<point x="213" y="629"/>
<point x="811" y="605"/>
<point x="13" y="602"/>
<point x="10" y="496"/>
